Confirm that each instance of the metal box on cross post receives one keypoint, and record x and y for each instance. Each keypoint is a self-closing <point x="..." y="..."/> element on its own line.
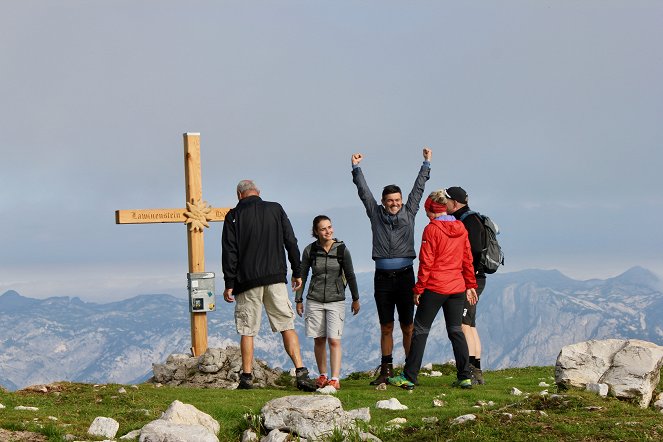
<point x="201" y="292"/>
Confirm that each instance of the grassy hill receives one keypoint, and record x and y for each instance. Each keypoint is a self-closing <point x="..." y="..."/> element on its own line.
<point x="575" y="415"/>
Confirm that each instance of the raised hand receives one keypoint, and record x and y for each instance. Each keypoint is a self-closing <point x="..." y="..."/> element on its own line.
<point x="428" y="153"/>
<point x="356" y="158"/>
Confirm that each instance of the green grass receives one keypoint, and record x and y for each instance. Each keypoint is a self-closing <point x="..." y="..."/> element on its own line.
<point x="534" y="417"/>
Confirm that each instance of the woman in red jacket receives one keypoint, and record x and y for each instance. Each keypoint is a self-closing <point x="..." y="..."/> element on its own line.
<point x="445" y="280"/>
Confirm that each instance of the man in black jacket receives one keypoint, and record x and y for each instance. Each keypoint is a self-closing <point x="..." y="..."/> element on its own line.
<point x="457" y="205"/>
<point x="254" y="235"/>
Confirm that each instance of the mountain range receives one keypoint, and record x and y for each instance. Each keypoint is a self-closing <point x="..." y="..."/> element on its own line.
<point x="524" y="319"/>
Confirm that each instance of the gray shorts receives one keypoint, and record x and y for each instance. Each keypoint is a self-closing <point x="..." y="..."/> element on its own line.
<point x="324" y="319"/>
<point x="248" y="309"/>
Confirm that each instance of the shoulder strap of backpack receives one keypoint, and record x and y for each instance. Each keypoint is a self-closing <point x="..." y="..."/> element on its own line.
<point x="468" y="213"/>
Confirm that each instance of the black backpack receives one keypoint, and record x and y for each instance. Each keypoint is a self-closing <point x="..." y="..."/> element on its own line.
<point x="491" y="254"/>
<point x="316" y="251"/>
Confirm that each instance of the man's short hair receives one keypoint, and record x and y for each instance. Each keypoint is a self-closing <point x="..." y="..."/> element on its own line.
<point x="246" y="185"/>
<point x="392" y="188"/>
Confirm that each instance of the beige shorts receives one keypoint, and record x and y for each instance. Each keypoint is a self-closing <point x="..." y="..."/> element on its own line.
<point x="324" y="319"/>
<point x="248" y="309"/>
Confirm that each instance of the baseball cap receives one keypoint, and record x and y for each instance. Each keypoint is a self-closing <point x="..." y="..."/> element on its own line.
<point x="457" y="194"/>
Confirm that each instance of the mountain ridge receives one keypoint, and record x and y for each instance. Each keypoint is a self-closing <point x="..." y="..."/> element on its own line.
<point x="524" y="318"/>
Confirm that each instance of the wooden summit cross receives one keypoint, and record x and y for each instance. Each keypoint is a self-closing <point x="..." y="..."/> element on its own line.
<point x="197" y="216"/>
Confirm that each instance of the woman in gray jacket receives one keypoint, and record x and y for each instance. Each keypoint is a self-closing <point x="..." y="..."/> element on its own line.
<point x="331" y="270"/>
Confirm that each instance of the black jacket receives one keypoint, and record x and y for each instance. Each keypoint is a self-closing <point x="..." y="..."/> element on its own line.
<point x="254" y="235"/>
<point x="476" y="235"/>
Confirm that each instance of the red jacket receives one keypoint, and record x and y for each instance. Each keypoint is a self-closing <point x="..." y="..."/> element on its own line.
<point x="445" y="259"/>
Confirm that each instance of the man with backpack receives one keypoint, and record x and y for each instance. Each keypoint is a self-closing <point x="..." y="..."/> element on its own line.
<point x="457" y="205"/>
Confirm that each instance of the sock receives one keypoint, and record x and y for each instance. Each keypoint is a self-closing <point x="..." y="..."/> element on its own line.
<point x="387" y="359"/>
<point x="473" y="361"/>
<point x="334" y="378"/>
<point x="478" y="363"/>
<point x="300" y="370"/>
<point x="247" y="375"/>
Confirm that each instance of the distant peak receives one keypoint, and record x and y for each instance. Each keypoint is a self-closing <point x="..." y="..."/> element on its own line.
<point x="638" y="275"/>
<point x="10" y="294"/>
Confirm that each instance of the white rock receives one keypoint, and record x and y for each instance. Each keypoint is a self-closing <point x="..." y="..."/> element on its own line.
<point x="658" y="405"/>
<point x="23" y="408"/>
<point x="508" y="415"/>
<point x="659" y="397"/>
<point x="131" y="435"/>
<point x="276" y="436"/>
<point x="464" y="418"/>
<point x="381" y="387"/>
<point x="435" y="373"/>
<point x="543" y="393"/>
<point x="311" y="416"/>
<point x="368" y="437"/>
<point x="53" y="418"/>
<point x="438" y="402"/>
<point x="104" y="427"/>
<point x="249" y="436"/>
<point x="630" y="367"/>
<point x="135" y="387"/>
<point x="428" y="366"/>
<point x="543" y="384"/>
<point x="2" y="406"/>
<point x="430" y="419"/>
<point x="293" y="372"/>
<point x="122" y="390"/>
<point x="361" y="414"/>
<point x="515" y="391"/>
<point x="162" y="430"/>
<point x="185" y="414"/>
<point x="397" y="421"/>
<point x="391" y="404"/>
<point x="600" y="389"/>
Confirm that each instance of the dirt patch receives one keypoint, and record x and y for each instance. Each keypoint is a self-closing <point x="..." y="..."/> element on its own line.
<point x="21" y="436"/>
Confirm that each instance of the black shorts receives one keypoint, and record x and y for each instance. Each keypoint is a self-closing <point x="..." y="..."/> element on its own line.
<point x="470" y="311"/>
<point x="393" y="288"/>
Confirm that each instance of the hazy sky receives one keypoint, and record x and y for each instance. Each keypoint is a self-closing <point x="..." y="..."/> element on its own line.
<point x="549" y="113"/>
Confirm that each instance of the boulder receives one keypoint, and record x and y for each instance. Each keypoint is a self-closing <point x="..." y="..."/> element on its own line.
<point x="163" y="431"/>
<point x="216" y="368"/>
<point x="311" y="417"/>
<point x="104" y="427"/>
<point x="181" y="423"/>
<point x="631" y="368"/>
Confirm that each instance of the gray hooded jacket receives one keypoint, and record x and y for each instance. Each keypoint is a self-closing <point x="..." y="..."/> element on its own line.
<point x="393" y="235"/>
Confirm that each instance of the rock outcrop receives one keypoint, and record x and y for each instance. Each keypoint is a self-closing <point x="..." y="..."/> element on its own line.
<point x="217" y="368"/>
<point x="631" y="368"/>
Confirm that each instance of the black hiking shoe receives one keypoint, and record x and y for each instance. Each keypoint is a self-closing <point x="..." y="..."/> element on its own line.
<point x="477" y="376"/>
<point x="245" y="381"/>
<point x="304" y="383"/>
<point x="386" y="371"/>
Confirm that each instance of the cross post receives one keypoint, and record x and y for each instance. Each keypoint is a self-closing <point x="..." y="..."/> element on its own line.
<point x="197" y="216"/>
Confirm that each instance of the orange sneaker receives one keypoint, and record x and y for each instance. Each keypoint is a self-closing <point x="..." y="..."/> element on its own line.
<point x="335" y="383"/>
<point x="321" y="381"/>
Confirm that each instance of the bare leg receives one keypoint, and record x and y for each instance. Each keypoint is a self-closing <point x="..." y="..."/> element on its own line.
<point x="246" y="349"/>
<point x="320" y="350"/>
<point x="291" y="345"/>
<point x="469" y="337"/>
<point x="407" y="337"/>
<point x="335" y="353"/>
<point x="477" y="343"/>
<point x="387" y="338"/>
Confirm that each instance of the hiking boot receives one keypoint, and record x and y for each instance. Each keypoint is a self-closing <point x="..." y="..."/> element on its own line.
<point x="463" y="383"/>
<point x="304" y="383"/>
<point x="386" y="371"/>
<point x="245" y="381"/>
<point x="477" y="376"/>
<point x="401" y="381"/>
<point x="321" y="381"/>
<point x="335" y="383"/>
